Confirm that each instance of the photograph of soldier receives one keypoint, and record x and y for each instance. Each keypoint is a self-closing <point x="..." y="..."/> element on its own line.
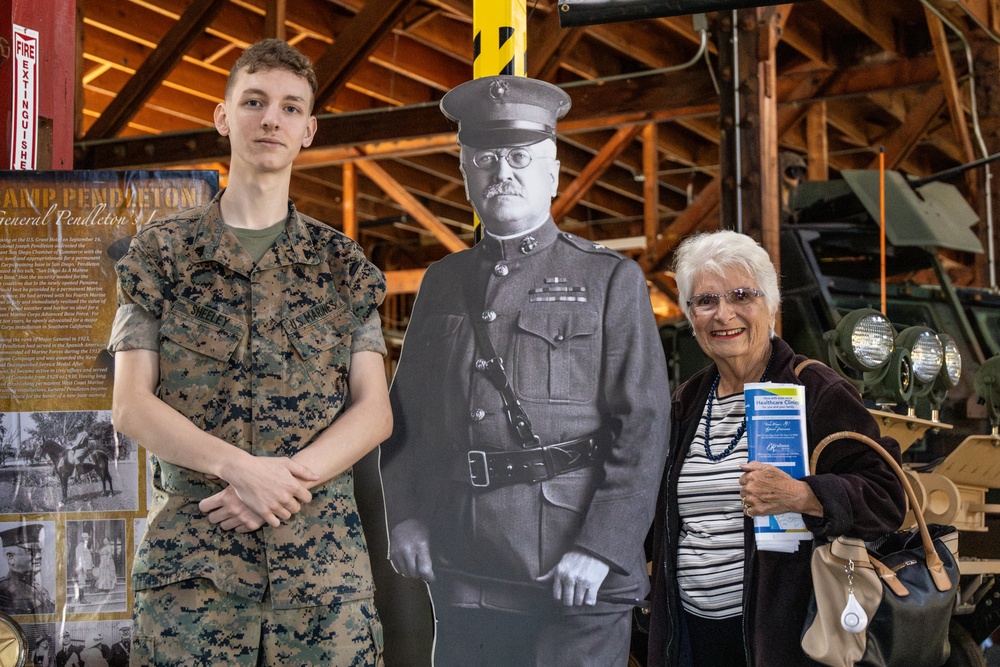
<point x="85" y="644"/>
<point x="66" y="461"/>
<point x="121" y="649"/>
<point x="27" y="577"/>
<point x="531" y="412"/>
<point x="89" y="587"/>
<point x="68" y="654"/>
<point x="84" y="567"/>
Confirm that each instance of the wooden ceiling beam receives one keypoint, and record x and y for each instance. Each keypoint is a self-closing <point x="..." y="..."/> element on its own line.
<point x="274" y="19"/>
<point x="870" y="18"/>
<point x="899" y="143"/>
<point x="681" y="91"/>
<point x="360" y="37"/>
<point x="418" y="211"/>
<point x="148" y="76"/>
<point x="548" y="46"/>
<point x="601" y="161"/>
<point x="948" y="80"/>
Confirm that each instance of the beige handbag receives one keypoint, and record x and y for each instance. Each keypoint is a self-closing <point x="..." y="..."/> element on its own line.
<point x="886" y="603"/>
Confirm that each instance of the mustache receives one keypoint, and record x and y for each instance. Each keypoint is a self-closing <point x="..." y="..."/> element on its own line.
<point x="503" y="188"/>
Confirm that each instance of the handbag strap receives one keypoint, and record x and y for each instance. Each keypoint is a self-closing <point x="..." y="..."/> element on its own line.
<point x="932" y="559"/>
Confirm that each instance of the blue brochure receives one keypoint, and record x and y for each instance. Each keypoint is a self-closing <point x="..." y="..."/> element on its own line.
<point x="776" y="435"/>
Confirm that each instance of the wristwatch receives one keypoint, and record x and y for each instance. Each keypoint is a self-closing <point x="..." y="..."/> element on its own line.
<point x="13" y="645"/>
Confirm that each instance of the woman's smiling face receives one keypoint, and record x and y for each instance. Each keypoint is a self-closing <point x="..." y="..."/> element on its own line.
<point x="733" y="334"/>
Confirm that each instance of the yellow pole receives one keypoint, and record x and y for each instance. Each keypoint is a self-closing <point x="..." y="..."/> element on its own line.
<point x="499" y="46"/>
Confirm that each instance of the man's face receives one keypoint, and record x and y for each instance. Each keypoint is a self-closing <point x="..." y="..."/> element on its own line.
<point x="25" y="558"/>
<point x="267" y="117"/>
<point x="511" y="199"/>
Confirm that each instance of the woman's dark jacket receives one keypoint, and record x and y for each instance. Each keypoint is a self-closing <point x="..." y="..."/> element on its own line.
<point x="860" y="495"/>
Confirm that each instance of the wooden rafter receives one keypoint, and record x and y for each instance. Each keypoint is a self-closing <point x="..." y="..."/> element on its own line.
<point x="150" y="74"/>
<point x="401" y="196"/>
<point x="870" y="18"/>
<point x="572" y="194"/>
<point x="899" y="143"/>
<point x="950" y="84"/>
<point x="360" y="37"/>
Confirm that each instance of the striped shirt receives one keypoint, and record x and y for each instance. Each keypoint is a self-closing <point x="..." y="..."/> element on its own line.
<point x="710" y="552"/>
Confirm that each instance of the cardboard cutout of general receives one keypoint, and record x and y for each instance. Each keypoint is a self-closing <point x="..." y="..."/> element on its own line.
<point x="531" y="409"/>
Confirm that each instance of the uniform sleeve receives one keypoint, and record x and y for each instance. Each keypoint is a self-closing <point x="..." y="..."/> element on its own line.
<point x="140" y="291"/>
<point x="635" y="398"/>
<point x="368" y="337"/>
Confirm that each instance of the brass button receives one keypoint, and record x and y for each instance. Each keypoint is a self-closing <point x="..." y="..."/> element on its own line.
<point x="489" y="315"/>
<point x="501" y="269"/>
<point x="478" y="415"/>
<point x="481" y="364"/>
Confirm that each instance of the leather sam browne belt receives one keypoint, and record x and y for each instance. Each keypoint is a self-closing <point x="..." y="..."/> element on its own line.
<point x="492" y="469"/>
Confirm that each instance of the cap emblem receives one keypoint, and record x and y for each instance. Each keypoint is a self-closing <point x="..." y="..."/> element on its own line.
<point x="498" y="89"/>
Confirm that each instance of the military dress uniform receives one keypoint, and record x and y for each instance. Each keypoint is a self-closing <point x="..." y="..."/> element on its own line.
<point x="572" y="323"/>
<point x="19" y="594"/>
<point x="257" y="355"/>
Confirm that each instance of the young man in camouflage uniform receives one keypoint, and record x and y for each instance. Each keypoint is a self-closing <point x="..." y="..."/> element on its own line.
<point x="244" y="328"/>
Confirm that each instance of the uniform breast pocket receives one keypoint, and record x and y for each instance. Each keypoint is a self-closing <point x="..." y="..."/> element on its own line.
<point x="557" y="356"/>
<point x="197" y="344"/>
<point x="323" y="346"/>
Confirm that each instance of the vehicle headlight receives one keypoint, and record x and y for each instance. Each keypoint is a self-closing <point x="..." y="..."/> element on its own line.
<point x="952" y="359"/>
<point x="863" y="339"/>
<point x="926" y="352"/>
<point x="871" y="340"/>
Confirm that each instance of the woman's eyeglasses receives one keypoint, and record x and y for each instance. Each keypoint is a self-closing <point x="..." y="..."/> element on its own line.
<point x="707" y="303"/>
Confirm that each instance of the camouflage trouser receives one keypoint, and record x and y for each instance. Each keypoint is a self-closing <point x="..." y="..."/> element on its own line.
<point x="194" y="623"/>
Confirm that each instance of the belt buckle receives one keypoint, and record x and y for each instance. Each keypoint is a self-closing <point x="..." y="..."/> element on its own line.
<point x="479" y="470"/>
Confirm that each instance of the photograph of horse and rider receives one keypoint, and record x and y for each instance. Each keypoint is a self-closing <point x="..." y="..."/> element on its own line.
<point x="69" y="461"/>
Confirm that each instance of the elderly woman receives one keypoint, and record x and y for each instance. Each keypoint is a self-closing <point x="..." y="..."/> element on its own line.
<point x="717" y="600"/>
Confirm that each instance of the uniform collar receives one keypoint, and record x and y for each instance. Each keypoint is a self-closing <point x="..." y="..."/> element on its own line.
<point x="213" y="241"/>
<point x="514" y="247"/>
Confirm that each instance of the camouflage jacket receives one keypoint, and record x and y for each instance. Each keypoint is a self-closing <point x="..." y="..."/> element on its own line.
<point x="257" y="356"/>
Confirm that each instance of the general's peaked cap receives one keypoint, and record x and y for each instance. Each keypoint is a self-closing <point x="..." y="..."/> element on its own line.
<point x="26" y="533"/>
<point x="503" y="110"/>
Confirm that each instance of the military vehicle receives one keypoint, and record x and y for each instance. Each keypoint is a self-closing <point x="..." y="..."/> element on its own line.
<point x="830" y="275"/>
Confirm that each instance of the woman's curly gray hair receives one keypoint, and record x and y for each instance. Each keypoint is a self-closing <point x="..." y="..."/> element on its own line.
<point x="719" y="253"/>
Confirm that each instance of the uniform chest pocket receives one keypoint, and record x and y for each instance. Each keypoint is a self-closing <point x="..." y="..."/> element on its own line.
<point x="197" y="345"/>
<point x="557" y="356"/>
<point x="322" y="339"/>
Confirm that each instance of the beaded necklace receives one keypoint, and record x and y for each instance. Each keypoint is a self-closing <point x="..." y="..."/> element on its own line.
<point x="708" y="417"/>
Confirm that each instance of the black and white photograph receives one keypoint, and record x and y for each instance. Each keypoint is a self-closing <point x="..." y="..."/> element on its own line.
<point x="529" y="424"/>
<point x="93" y="644"/>
<point x="71" y="461"/>
<point x="42" y="644"/>
<point x="28" y="568"/>
<point x="96" y="577"/>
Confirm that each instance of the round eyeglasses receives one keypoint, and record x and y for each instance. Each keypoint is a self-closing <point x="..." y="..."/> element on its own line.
<point x="707" y="303"/>
<point x="517" y="158"/>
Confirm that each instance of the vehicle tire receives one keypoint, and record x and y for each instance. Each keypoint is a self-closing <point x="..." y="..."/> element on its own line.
<point x="965" y="652"/>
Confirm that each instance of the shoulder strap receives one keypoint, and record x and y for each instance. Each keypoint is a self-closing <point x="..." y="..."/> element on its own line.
<point x="803" y="364"/>
<point x="493" y="366"/>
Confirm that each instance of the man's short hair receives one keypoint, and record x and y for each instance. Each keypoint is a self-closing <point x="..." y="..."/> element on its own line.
<point x="273" y="54"/>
